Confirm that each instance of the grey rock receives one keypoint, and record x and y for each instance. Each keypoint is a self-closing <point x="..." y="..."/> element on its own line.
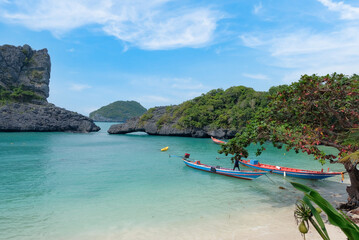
<point x="19" y="117"/>
<point x="23" y="66"/>
<point x="168" y="129"/>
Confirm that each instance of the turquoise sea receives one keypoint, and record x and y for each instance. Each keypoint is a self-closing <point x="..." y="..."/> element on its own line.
<point x="101" y="186"/>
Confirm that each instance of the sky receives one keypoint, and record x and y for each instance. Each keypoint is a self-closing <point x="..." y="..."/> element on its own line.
<point x="164" y="52"/>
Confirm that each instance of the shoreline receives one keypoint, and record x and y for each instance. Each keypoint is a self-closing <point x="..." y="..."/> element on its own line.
<point x="261" y="222"/>
<point x="230" y="227"/>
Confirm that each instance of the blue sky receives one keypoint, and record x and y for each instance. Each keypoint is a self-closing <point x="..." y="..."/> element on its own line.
<point x="164" y="52"/>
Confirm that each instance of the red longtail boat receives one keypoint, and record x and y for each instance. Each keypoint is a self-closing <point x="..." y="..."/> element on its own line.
<point x="216" y="141"/>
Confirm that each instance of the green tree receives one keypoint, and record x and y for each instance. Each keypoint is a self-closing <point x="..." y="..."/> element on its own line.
<point x="316" y="110"/>
<point x="230" y="108"/>
<point x="119" y="111"/>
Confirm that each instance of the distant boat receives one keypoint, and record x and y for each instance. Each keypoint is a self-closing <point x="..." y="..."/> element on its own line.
<point x="291" y="172"/>
<point x="164" y="149"/>
<point x="218" y="141"/>
<point x="247" y="175"/>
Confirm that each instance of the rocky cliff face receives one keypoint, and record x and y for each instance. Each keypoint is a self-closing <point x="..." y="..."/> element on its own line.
<point x="25" y="117"/>
<point x="171" y="128"/>
<point x="29" y="70"/>
<point x="22" y="66"/>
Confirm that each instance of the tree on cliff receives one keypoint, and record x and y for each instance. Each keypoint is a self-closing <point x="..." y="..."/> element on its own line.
<point x="229" y="109"/>
<point x="317" y="110"/>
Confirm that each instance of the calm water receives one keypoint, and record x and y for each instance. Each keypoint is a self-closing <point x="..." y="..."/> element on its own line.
<point x="100" y="186"/>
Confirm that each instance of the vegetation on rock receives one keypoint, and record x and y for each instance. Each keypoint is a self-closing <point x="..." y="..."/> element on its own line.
<point x="229" y="109"/>
<point x="17" y="94"/>
<point x="118" y="111"/>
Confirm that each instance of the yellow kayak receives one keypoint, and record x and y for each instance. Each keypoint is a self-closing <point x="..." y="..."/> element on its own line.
<point x="164" y="149"/>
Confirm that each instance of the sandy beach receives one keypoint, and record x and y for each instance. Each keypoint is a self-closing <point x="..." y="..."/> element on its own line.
<point x="275" y="224"/>
<point x="265" y="222"/>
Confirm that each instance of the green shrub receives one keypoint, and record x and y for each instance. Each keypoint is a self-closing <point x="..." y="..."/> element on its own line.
<point x="17" y="94"/>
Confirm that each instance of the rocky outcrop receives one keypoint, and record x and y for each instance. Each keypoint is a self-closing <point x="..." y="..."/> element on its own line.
<point x="170" y="128"/>
<point x="27" y="70"/>
<point x="22" y="66"/>
<point x="20" y="117"/>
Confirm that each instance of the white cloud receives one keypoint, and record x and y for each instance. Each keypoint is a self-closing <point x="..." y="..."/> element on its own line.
<point x="256" y="76"/>
<point x="146" y="24"/>
<point x="250" y="40"/>
<point x="189" y="28"/>
<point x="307" y="52"/>
<point x="257" y="8"/>
<point x="78" y="87"/>
<point x="346" y="11"/>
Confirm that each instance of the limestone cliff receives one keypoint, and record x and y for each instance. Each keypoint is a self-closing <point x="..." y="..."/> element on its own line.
<point x="24" y="89"/>
<point x="218" y="113"/>
<point x="22" y="66"/>
<point x="169" y="128"/>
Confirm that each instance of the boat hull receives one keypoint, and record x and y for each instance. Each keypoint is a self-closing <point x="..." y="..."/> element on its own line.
<point x="290" y="172"/>
<point x="216" y="141"/>
<point x="164" y="149"/>
<point x="247" y="175"/>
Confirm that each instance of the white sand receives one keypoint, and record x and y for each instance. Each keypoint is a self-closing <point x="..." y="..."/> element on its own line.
<point x="278" y="223"/>
<point x="263" y="222"/>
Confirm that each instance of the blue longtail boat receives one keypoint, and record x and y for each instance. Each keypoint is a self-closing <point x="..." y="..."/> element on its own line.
<point x="247" y="175"/>
<point x="291" y="172"/>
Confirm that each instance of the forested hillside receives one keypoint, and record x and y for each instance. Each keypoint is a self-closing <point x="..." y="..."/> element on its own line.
<point x="118" y="111"/>
<point x="229" y="109"/>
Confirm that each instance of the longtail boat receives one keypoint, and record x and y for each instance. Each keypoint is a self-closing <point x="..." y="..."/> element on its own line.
<point x="291" y="172"/>
<point x="247" y="175"/>
<point x="217" y="141"/>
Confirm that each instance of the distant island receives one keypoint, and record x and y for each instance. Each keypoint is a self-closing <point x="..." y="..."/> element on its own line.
<point x="219" y="113"/>
<point x="119" y="111"/>
<point x="24" y="89"/>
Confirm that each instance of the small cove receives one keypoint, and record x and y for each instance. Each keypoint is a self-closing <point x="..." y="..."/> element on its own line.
<point x="96" y="186"/>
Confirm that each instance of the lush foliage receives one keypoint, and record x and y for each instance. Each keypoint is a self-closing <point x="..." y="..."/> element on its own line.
<point x="230" y="109"/>
<point x="17" y="94"/>
<point x="120" y="110"/>
<point x="316" y="110"/>
<point x="305" y="212"/>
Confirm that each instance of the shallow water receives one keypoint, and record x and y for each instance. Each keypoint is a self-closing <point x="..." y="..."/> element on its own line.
<point x="100" y="186"/>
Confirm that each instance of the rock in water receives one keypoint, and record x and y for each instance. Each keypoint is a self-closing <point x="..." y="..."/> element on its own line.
<point x="20" y="117"/>
<point x="170" y="128"/>
<point x="24" y="89"/>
